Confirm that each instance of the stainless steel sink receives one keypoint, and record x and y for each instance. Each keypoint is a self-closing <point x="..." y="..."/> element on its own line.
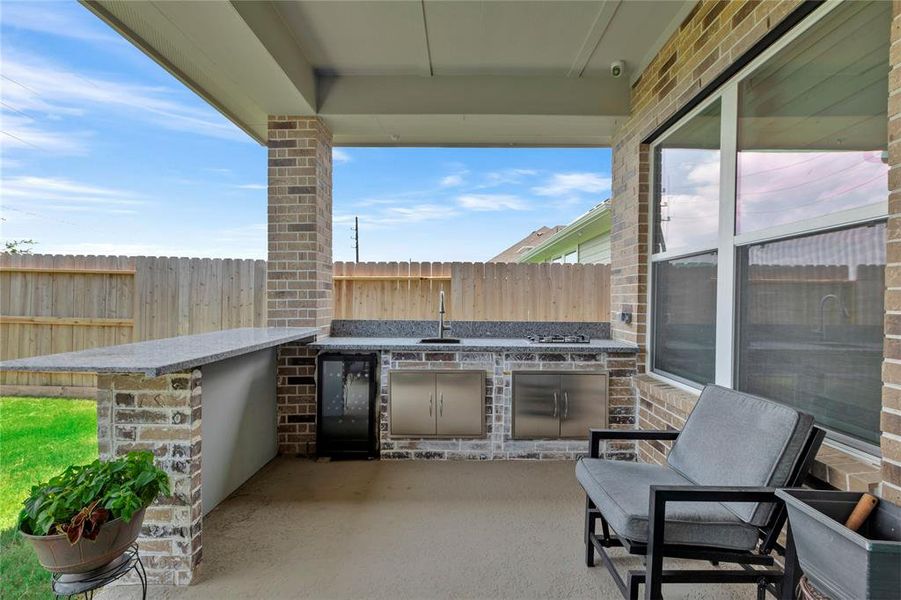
<point x="439" y="341"/>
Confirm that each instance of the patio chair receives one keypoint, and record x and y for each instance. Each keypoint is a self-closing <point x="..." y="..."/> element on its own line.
<point x="713" y="500"/>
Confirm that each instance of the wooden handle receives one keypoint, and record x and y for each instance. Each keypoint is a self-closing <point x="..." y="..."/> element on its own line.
<point x="859" y="515"/>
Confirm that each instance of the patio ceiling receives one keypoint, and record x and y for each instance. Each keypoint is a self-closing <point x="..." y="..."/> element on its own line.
<point x="409" y="72"/>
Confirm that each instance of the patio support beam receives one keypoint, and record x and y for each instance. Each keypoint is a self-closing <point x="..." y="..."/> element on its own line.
<point x="269" y="27"/>
<point x="472" y="95"/>
<point x="299" y="279"/>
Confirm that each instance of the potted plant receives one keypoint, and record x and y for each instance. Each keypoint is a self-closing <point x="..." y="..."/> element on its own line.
<point x="88" y="516"/>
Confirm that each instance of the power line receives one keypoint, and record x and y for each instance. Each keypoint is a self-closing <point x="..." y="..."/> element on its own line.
<point x="20" y="139"/>
<point x="356" y="237"/>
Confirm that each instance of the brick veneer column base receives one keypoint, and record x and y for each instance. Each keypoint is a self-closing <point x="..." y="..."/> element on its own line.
<point x="162" y="415"/>
<point x="296" y="400"/>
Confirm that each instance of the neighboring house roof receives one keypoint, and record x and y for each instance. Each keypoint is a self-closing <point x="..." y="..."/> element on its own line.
<point x="593" y="223"/>
<point x="513" y="253"/>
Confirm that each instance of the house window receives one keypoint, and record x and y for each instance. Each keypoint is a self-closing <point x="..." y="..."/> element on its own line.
<point x="768" y="226"/>
<point x="684" y="323"/>
<point x="688" y="183"/>
<point x="571" y="258"/>
<point x="810" y="325"/>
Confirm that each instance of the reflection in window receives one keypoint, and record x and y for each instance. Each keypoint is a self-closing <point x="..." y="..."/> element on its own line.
<point x="812" y="122"/>
<point x="685" y="317"/>
<point x="686" y="211"/>
<point x="810" y="326"/>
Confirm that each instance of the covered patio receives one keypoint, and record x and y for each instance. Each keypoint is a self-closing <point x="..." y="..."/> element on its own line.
<point x="411" y="529"/>
<point x="301" y="77"/>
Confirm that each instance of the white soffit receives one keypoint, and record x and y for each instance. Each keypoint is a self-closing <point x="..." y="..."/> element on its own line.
<point x="408" y="72"/>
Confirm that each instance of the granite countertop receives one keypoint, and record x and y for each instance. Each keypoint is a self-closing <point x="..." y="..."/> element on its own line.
<point x="466" y="344"/>
<point x="158" y="357"/>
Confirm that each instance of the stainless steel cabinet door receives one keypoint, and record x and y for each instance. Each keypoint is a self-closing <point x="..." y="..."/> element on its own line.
<point x="583" y="404"/>
<point x="536" y="405"/>
<point x="461" y="401"/>
<point x="412" y="398"/>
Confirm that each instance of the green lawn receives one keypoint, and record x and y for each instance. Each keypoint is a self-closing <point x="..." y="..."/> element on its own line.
<point x="39" y="437"/>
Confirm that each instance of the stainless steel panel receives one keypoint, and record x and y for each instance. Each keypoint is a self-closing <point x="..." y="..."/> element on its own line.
<point x="583" y="404"/>
<point x="461" y="403"/>
<point x="536" y="405"/>
<point x="413" y="407"/>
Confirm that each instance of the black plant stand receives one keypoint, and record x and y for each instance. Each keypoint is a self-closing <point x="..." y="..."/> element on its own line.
<point x="85" y="584"/>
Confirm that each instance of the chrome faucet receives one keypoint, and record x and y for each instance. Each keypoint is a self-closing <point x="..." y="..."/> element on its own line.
<point x="442" y="328"/>
<point x="822" y="312"/>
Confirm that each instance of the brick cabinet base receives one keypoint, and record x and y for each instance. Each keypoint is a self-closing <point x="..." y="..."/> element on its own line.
<point x="498" y="443"/>
<point x="161" y="415"/>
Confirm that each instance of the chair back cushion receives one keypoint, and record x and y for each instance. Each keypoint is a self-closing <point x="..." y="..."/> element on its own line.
<point x="733" y="438"/>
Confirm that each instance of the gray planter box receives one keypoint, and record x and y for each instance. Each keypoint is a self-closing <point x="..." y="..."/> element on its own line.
<point x="841" y="563"/>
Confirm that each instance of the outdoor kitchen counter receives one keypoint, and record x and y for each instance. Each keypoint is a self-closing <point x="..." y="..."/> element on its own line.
<point x="468" y="345"/>
<point x="169" y="355"/>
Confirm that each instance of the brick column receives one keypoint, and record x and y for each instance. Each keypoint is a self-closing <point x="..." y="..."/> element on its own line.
<point x="299" y="284"/>
<point x="629" y="242"/>
<point x="891" y="371"/>
<point x="161" y="415"/>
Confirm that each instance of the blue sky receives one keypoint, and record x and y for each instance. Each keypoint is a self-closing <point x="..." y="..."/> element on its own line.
<point x="104" y="152"/>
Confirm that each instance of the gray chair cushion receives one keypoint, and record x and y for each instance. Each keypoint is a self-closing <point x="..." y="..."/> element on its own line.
<point x="732" y="438"/>
<point x="621" y="490"/>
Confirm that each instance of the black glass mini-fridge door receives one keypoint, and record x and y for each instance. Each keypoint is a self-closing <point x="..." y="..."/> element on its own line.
<point x="346" y="406"/>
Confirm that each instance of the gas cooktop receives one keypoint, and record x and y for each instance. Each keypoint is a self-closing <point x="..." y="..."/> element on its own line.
<point x="559" y="339"/>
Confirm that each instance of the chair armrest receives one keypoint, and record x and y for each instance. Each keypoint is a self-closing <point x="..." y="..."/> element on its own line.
<point x="662" y="494"/>
<point x="596" y="435"/>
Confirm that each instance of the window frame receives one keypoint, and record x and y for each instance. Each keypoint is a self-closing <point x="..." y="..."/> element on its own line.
<point x="728" y="242"/>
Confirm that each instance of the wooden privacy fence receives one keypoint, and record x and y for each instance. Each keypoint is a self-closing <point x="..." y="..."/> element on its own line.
<point x="474" y="291"/>
<point x="52" y="304"/>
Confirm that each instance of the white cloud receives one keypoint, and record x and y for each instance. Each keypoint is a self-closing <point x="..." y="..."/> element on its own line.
<point x="341" y="156"/>
<point x="251" y="186"/>
<point x="26" y="195"/>
<point x="33" y="85"/>
<point x="239" y="242"/>
<point x="57" y="19"/>
<point x="452" y="181"/>
<point x="24" y="133"/>
<point x="491" y="202"/>
<point x="562" y="184"/>
<point x="507" y="177"/>
<point x="399" y="215"/>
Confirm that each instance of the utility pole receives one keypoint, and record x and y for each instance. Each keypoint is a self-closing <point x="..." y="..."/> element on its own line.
<point x="356" y="238"/>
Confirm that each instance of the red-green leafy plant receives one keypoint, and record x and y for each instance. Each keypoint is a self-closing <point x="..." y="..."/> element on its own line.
<point x="81" y="499"/>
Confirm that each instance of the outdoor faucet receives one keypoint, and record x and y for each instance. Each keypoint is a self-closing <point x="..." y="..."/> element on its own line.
<point x="822" y="313"/>
<point x="442" y="328"/>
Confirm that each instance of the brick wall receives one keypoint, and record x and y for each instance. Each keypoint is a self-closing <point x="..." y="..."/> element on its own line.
<point x="161" y="415"/>
<point x="296" y="393"/>
<point x="891" y="392"/>
<point x="711" y="38"/>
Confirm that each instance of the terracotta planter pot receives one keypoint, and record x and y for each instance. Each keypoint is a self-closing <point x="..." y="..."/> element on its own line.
<point x="57" y="555"/>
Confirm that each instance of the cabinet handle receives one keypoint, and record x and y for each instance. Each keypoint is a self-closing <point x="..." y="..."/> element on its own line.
<point x="441" y="405"/>
<point x="556" y="406"/>
<point x="565" y="405"/>
<point x="431" y="398"/>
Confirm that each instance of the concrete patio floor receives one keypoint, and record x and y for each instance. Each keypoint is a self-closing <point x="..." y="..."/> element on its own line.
<point x="301" y="529"/>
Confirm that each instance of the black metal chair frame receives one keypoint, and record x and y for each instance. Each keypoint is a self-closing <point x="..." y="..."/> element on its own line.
<point x="779" y="582"/>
